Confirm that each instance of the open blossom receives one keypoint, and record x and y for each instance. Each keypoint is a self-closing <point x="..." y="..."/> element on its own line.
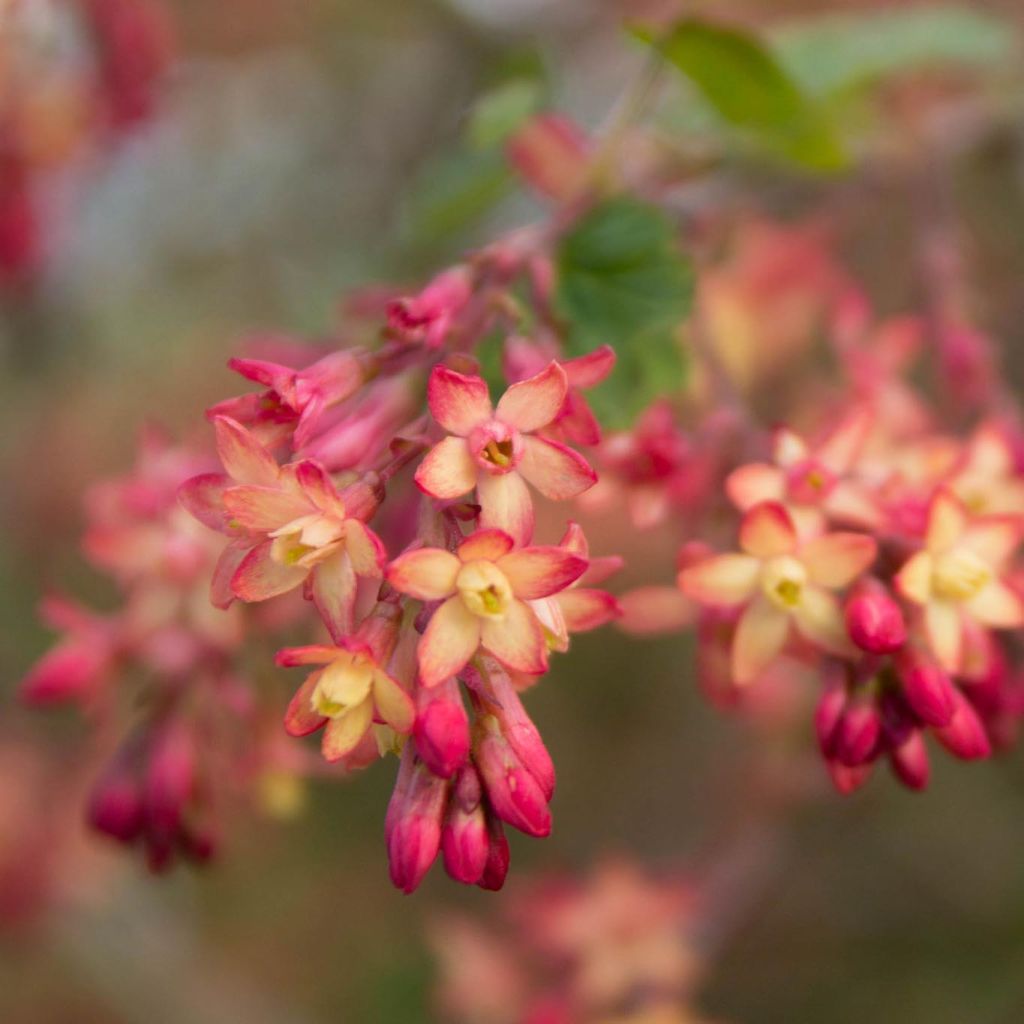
<point x="349" y="692"/>
<point x="498" y="449"/>
<point x="957" y="579"/>
<point x="484" y="588"/>
<point x="780" y="581"/>
<point x="288" y="524"/>
<point x="813" y="483"/>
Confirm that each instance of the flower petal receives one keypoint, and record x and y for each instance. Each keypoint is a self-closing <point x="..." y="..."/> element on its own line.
<point x="457" y="402"/>
<point x="203" y="497"/>
<point x="259" y="576"/>
<point x="837" y="558"/>
<point x="840" y="449"/>
<point x="766" y="531"/>
<point x="944" y="628"/>
<point x="312" y="654"/>
<point x="648" y="611"/>
<point x="302" y="718"/>
<point x="221" y="594"/>
<point x="516" y="640"/>
<point x="333" y="592"/>
<point x="997" y="606"/>
<point x="947" y="520"/>
<point x="819" y="618"/>
<point x="721" y="579"/>
<point x="994" y="538"/>
<point x="447" y="470"/>
<point x="554" y="469"/>
<point x="751" y="484"/>
<point x="318" y="487"/>
<point x="533" y="403"/>
<point x="392" y="703"/>
<point x="488" y="545"/>
<point x="914" y="580"/>
<point x="760" y="636"/>
<point x="426" y="573"/>
<point x="255" y="507"/>
<point x="245" y="459"/>
<point x="587" y="371"/>
<point x="505" y="504"/>
<point x="365" y="549"/>
<point x="587" y="609"/>
<point x="342" y="734"/>
<point x="541" y="571"/>
<point x="451" y="638"/>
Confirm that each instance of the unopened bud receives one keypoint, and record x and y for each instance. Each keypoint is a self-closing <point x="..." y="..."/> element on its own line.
<point x="514" y="793"/>
<point x="909" y="761"/>
<point x="413" y="828"/>
<point x="930" y="693"/>
<point x="441" y="732"/>
<point x="874" y="619"/>
<point x="464" y="837"/>
<point x="964" y="736"/>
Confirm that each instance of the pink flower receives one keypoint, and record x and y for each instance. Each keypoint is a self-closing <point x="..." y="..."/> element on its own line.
<point x="289" y="526"/>
<point x="780" y="582"/>
<point x="498" y="450"/>
<point x="428" y="317"/>
<point x="484" y="588"/>
<point x="956" y="580"/>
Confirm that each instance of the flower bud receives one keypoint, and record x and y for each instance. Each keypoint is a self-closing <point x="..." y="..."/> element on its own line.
<point x="413" y="828"/>
<point x="521" y="734"/>
<point x="874" y="619"/>
<point x="498" y="857"/>
<point x="858" y="731"/>
<point x="847" y="779"/>
<point x="441" y="732"/>
<point x="909" y="761"/>
<point x="115" y="804"/>
<point x="70" y="671"/>
<point x="927" y="689"/>
<point x="170" y="777"/>
<point x="964" y="736"/>
<point x="827" y="715"/>
<point x="464" y="837"/>
<point x="514" y="793"/>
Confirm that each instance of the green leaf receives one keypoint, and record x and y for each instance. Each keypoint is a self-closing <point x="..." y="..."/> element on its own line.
<point x="747" y="87"/>
<point x="498" y="113"/>
<point x="833" y="53"/>
<point x="622" y="281"/>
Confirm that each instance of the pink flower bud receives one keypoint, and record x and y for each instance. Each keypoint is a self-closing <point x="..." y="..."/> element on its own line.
<point x="115" y="804"/>
<point x="521" y="734"/>
<point x="874" y="619"/>
<point x="550" y="153"/>
<point x="498" y="857"/>
<point x="927" y="689"/>
<point x="964" y="736"/>
<point x="464" y="837"/>
<point x="847" y="779"/>
<point x="70" y="671"/>
<point x="909" y="761"/>
<point x="413" y="827"/>
<point x="170" y="777"/>
<point x="857" y="734"/>
<point x="514" y="793"/>
<point x="827" y="715"/>
<point x="441" y="732"/>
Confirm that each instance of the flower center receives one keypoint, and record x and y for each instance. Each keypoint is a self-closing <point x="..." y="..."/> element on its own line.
<point x="343" y="684"/>
<point x="498" y="452"/>
<point x="496" y="447"/>
<point x="307" y="540"/>
<point x="959" y="575"/>
<point x="484" y="589"/>
<point x="782" y="581"/>
<point x="810" y="482"/>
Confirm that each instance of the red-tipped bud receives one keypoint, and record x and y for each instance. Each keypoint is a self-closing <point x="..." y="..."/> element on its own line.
<point x="170" y="777"/>
<point x="521" y="734"/>
<point x="857" y="734"/>
<point x="847" y="779"/>
<point x="927" y="689"/>
<point x="413" y="827"/>
<point x="514" y="793"/>
<point x="909" y="761"/>
<point x="115" y="804"/>
<point x="69" y="672"/>
<point x="874" y="619"/>
<point x="464" y="838"/>
<point x="827" y="715"/>
<point x="550" y="153"/>
<point x="441" y="732"/>
<point x="498" y="856"/>
<point x="965" y="735"/>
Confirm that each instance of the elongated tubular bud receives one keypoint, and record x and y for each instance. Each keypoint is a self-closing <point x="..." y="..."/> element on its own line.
<point x="964" y="736"/>
<point x="858" y="732"/>
<point x="930" y="693"/>
<point x="498" y="856"/>
<point x="522" y="735"/>
<point x="909" y="761"/>
<point x="513" y="792"/>
<point x="464" y="837"/>
<point x="874" y="620"/>
<point x="847" y="779"/>
<point x="115" y="805"/>
<point x="828" y="713"/>
<point x="413" y="829"/>
<point x="170" y="776"/>
<point x="441" y="732"/>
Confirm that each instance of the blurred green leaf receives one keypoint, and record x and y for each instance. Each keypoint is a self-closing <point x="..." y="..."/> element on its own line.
<point x="742" y="80"/>
<point x="836" y="52"/>
<point x="622" y="281"/>
<point x="498" y="113"/>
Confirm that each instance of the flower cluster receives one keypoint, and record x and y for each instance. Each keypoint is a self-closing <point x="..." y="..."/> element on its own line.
<point x="74" y="74"/>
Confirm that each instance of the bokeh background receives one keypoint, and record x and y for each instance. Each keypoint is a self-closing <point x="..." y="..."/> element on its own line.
<point x="305" y="147"/>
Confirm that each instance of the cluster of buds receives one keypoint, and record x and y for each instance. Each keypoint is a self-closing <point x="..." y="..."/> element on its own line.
<point x="74" y="74"/>
<point x="617" y="945"/>
<point x="164" y="657"/>
<point x="412" y="536"/>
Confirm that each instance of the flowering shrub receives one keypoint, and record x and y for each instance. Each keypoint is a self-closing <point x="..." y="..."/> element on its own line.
<point x="410" y="482"/>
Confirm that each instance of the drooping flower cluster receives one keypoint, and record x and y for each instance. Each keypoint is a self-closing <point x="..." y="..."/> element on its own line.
<point x="74" y="74"/>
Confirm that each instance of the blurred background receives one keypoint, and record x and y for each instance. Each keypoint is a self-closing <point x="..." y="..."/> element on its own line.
<point x="295" y="150"/>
